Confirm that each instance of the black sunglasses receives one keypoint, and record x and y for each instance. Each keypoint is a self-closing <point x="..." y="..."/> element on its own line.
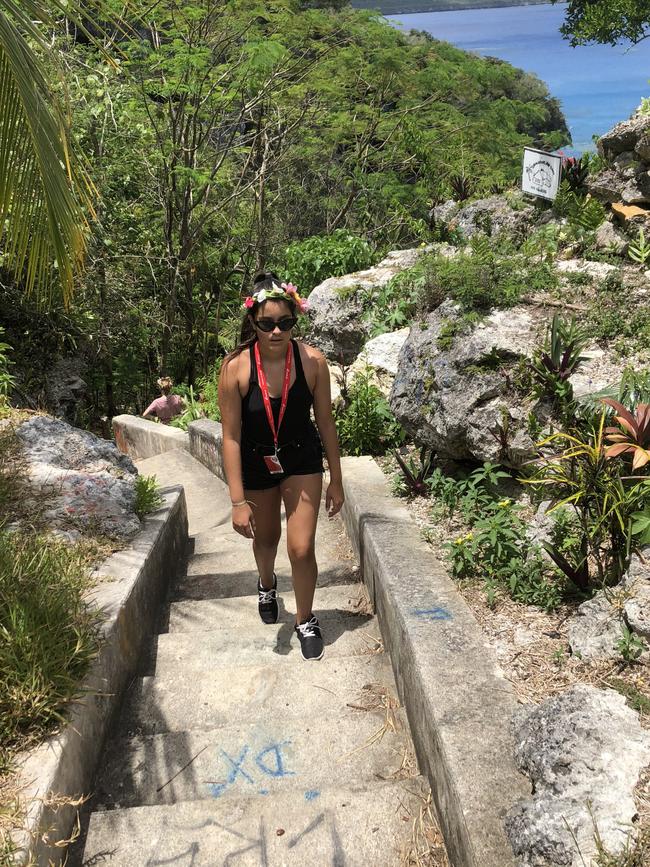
<point x="285" y="324"/>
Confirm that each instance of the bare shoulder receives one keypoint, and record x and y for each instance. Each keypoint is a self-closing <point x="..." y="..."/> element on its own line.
<point x="312" y="359"/>
<point x="310" y="354"/>
<point x="238" y="370"/>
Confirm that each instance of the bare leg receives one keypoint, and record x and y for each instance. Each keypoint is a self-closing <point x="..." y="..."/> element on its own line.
<point x="301" y="495"/>
<point x="266" y="511"/>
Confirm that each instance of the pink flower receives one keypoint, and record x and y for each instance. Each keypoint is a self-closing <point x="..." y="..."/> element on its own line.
<point x="249" y="302"/>
<point x="304" y="306"/>
<point x="289" y="288"/>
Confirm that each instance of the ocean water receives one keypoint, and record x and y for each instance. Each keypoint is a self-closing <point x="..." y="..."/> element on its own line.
<point x="597" y="85"/>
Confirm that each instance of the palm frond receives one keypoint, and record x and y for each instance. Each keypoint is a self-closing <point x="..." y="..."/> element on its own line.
<point x="43" y="191"/>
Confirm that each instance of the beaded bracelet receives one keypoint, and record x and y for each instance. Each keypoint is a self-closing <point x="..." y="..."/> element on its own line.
<point x="243" y="503"/>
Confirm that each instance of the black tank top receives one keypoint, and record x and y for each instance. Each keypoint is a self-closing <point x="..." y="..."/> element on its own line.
<point x="296" y="424"/>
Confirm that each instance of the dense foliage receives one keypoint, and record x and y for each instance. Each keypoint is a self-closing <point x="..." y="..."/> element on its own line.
<point x="226" y="135"/>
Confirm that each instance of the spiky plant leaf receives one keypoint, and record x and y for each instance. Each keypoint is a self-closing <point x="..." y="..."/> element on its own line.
<point x="44" y="194"/>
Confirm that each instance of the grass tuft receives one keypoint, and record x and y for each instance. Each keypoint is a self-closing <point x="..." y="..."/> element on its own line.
<point x="48" y="636"/>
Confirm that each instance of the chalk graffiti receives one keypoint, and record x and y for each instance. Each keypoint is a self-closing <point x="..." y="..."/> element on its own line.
<point x="311" y="795"/>
<point x="435" y="613"/>
<point x="268" y="840"/>
<point x="269" y="762"/>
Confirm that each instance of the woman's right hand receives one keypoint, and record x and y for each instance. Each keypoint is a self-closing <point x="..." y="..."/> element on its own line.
<point x="243" y="521"/>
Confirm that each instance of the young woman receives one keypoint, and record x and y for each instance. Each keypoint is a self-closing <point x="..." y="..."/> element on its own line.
<point x="272" y="452"/>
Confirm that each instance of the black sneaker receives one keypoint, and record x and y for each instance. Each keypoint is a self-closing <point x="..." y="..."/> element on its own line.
<point x="311" y="640"/>
<point x="267" y="602"/>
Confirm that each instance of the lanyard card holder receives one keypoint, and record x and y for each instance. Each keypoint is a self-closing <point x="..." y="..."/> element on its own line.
<point x="273" y="464"/>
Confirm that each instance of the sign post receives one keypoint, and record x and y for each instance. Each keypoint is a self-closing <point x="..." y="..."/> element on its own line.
<point x="541" y="173"/>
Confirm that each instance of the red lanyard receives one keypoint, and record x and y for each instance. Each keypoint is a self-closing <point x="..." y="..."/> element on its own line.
<point x="265" y="391"/>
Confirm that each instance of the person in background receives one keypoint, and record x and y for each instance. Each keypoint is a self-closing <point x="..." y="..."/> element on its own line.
<point x="168" y="405"/>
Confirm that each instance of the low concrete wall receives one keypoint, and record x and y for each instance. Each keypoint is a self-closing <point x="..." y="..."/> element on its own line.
<point x="139" y="438"/>
<point x="458" y="702"/>
<point x="206" y="439"/>
<point x="131" y="597"/>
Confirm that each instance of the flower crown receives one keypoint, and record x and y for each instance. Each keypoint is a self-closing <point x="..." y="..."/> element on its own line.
<point x="284" y="292"/>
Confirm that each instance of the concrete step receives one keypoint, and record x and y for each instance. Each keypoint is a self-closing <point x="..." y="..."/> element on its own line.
<point x="208" y="501"/>
<point x="220" y="695"/>
<point x="355" y="827"/>
<point x="258" y="644"/>
<point x="229" y="568"/>
<point x="342" y="602"/>
<point x="263" y="758"/>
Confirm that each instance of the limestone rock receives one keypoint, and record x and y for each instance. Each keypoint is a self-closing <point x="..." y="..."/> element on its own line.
<point x="642" y="147"/>
<point x="611" y="240"/>
<point x="337" y="305"/>
<point x="595" y="628"/>
<point x="583" y="751"/>
<point x="637" y="584"/>
<point x="453" y="398"/>
<point x="382" y="352"/>
<point x="596" y="270"/>
<point x="612" y="185"/>
<point x="65" y="389"/>
<point x="443" y="214"/>
<point x="87" y="481"/>
<point x="490" y="216"/>
<point x="624" y="136"/>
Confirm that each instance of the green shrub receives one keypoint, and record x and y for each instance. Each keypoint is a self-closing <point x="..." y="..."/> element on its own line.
<point x="48" y="635"/>
<point x="365" y="424"/>
<point x="484" y="277"/>
<point x="307" y="263"/>
<point x="147" y="495"/>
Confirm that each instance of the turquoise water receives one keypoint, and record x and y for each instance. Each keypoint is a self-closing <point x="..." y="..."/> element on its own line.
<point x="598" y="85"/>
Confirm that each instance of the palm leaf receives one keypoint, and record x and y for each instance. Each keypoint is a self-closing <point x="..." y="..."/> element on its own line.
<point x="44" y="193"/>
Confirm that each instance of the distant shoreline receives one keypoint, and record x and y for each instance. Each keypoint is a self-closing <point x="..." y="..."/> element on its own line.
<point x="413" y="7"/>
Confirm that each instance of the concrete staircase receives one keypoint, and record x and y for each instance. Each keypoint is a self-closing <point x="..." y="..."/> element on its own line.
<point x="230" y="749"/>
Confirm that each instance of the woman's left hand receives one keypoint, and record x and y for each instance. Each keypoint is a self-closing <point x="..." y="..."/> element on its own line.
<point x="334" y="498"/>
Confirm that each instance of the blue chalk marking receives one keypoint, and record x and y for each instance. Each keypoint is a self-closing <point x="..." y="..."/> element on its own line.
<point x="263" y="792"/>
<point x="311" y="795"/>
<point x="237" y="766"/>
<point x="276" y="751"/>
<point x="435" y="613"/>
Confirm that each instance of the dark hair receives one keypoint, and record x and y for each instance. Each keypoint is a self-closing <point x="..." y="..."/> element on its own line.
<point x="262" y="280"/>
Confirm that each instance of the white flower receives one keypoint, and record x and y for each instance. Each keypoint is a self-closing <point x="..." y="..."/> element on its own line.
<point x="261" y="296"/>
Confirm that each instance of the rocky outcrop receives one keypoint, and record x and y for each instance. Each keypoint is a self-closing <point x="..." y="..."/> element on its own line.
<point x="583" y="751"/>
<point x="452" y="389"/>
<point x="595" y="628"/>
<point x="625" y="182"/>
<point x="337" y="305"/>
<point x="491" y="216"/>
<point x="86" y="481"/>
<point x="65" y="389"/>
<point x="456" y="385"/>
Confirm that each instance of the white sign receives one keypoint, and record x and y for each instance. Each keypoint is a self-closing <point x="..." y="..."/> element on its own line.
<point x="541" y="173"/>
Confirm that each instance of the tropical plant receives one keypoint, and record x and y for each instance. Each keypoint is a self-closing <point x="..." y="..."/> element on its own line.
<point x="632" y="437"/>
<point x="639" y="250"/>
<point x="415" y="475"/>
<point x="574" y="470"/>
<point x="575" y="171"/>
<point x="44" y="192"/>
<point x="462" y="186"/>
<point x="559" y="357"/>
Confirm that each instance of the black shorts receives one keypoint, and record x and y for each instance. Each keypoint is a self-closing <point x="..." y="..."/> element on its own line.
<point x="298" y="458"/>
